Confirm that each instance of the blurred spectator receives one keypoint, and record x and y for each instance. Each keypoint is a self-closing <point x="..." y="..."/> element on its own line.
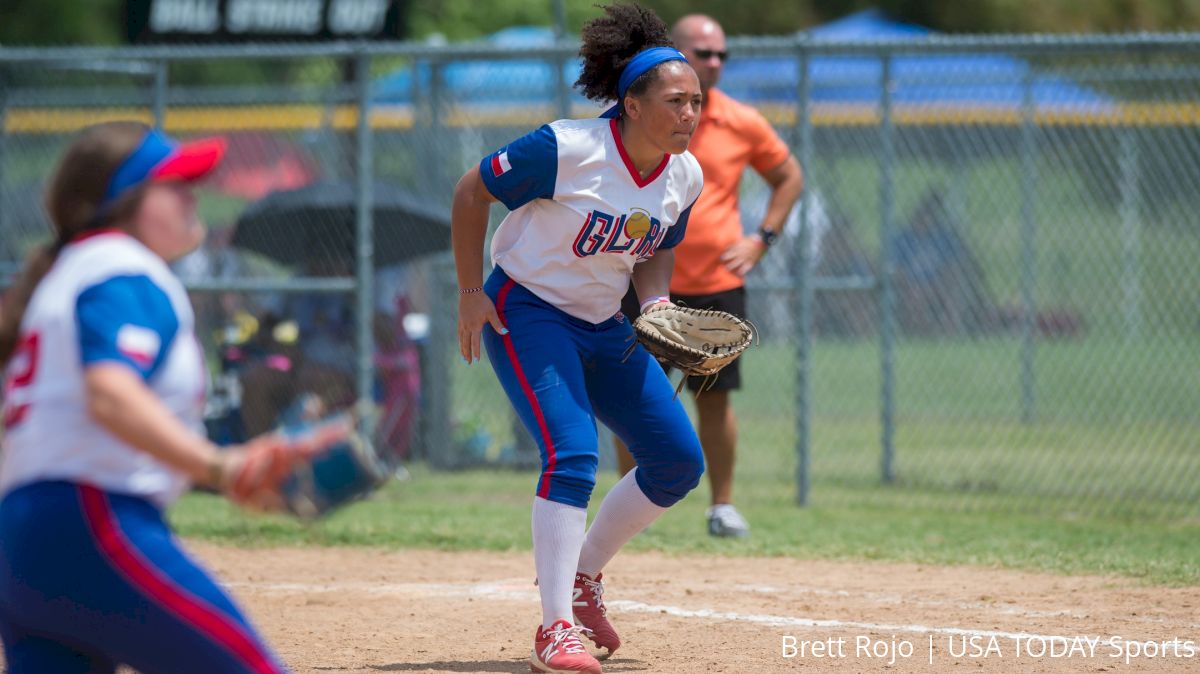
<point x="397" y="359"/>
<point x="307" y="345"/>
<point x="843" y="312"/>
<point x="834" y="253"/>
<point x="940" y="286"/>
<point x="214" y="260"/>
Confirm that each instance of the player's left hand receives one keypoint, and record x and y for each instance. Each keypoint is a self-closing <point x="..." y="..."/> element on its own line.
<point x="741" y="257"/>
<point x="253" y="473"/>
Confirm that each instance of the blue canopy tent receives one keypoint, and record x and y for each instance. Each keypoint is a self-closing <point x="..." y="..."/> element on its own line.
<point x="981" y="79"/>
<point x="986" y="80"/>
<point x="513" y="81"/>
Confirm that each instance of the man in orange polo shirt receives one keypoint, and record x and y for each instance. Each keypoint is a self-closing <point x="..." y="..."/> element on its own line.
<point x="712" y="261"/>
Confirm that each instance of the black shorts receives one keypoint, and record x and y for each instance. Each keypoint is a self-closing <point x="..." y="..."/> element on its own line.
<point x="731" y="301"/>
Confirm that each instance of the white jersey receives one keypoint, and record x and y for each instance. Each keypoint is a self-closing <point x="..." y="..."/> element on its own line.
<point x="581" y="215"/>
<point x="106" y="299"/>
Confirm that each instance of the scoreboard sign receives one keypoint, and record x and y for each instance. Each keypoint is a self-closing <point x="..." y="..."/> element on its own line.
<point x="253" y="20"/>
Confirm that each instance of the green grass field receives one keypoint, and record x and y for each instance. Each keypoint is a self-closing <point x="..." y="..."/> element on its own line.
<point x="489" y="510"/>
<point x="1114" y="433"/>
<point x="1105" y="480"/>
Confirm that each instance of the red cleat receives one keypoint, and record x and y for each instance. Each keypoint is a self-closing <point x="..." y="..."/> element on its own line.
<point x="558" y="650"/>
<point x="590" y="613"/>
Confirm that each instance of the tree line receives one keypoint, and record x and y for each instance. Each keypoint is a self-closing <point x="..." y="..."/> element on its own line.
<point x="101" y="22"/>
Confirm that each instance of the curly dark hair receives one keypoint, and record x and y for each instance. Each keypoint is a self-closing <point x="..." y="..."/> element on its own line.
<point x="611" y="41"/>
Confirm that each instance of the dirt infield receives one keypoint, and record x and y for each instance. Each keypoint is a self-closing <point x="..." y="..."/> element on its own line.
<point x="362" y="610"/>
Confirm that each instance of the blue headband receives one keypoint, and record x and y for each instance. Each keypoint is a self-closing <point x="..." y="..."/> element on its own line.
<point x="137" y="167"/>
<point x="638" y="66"/>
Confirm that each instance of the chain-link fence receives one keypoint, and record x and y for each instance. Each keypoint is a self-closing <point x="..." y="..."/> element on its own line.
<point x="988" y="298"/>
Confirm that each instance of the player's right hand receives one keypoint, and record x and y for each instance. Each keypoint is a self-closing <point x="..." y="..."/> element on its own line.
<point x="474" y="311"/>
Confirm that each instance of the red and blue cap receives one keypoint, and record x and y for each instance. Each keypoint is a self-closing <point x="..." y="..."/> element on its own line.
<point x="160" y="159"/>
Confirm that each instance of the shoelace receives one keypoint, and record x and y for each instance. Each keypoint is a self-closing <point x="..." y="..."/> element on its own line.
<point x="597" y="589"/>
<point x="567" y="638"/>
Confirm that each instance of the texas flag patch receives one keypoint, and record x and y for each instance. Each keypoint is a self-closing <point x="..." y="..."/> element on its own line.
<point x="500" y="164"/>
<point x="139" y="344"/>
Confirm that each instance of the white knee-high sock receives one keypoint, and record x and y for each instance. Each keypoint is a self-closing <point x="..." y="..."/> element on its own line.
<point x="624" y="512"/>
<point x="557" y="536"/>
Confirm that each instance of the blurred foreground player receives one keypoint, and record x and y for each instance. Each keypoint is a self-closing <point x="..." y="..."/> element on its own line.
<point x="105" y="388"/>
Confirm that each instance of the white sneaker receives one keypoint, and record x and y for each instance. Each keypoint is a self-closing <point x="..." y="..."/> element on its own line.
<point x="401" y="474"/>
<point x="725" y="521"/>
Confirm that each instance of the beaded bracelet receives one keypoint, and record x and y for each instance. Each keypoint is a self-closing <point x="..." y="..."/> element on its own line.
<point x="468" y="291"/>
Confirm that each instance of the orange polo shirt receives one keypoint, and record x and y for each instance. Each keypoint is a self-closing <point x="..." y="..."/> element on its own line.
<point x="730" y="137"/>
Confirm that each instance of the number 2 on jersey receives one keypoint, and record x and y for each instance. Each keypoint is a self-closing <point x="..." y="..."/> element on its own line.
<point x="21" y="371"/>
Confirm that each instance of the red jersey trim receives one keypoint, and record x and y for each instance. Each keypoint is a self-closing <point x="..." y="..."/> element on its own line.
<point x="633" y="172"/>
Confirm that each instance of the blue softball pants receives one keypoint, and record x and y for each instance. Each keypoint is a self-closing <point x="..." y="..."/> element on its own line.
<point x="562" y="374"/>
<point x="90" y="580"/>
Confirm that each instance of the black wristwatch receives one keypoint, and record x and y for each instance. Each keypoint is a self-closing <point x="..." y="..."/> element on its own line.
<point x="767" y="236"/>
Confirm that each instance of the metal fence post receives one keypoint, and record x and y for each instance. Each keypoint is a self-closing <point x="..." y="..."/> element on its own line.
<point x="804" y="292"/>
<point x="3" y="150"/>
<point x="887" y="299"/>
<point x="438" y="384"/>
<point x="436" y="94"/>
<point x="436" y="369"/>
<point x="1028" y="252"/>
<point x="562" y="88"/>
<point x="365" y="251"/>
<point x="159" y="104"/>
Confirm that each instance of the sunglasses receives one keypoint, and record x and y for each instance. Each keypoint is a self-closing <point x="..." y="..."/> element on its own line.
<point x="706" y="54"/>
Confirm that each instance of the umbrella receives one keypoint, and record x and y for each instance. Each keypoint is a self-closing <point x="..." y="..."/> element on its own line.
<point x="317" y="223"/>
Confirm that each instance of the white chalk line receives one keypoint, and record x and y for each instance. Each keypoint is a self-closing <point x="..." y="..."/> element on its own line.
<point x="514" y="590"/>
<point x="898" y="600"/>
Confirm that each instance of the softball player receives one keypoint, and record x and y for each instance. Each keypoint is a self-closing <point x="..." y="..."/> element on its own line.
<point x="593" y="203"/>
<point x="104" y="393"/>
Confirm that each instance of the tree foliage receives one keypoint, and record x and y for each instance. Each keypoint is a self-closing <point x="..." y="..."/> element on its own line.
<point x="100" y="22"/>
<point x="465" y="19"/>
<point x="61" y="22"/>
